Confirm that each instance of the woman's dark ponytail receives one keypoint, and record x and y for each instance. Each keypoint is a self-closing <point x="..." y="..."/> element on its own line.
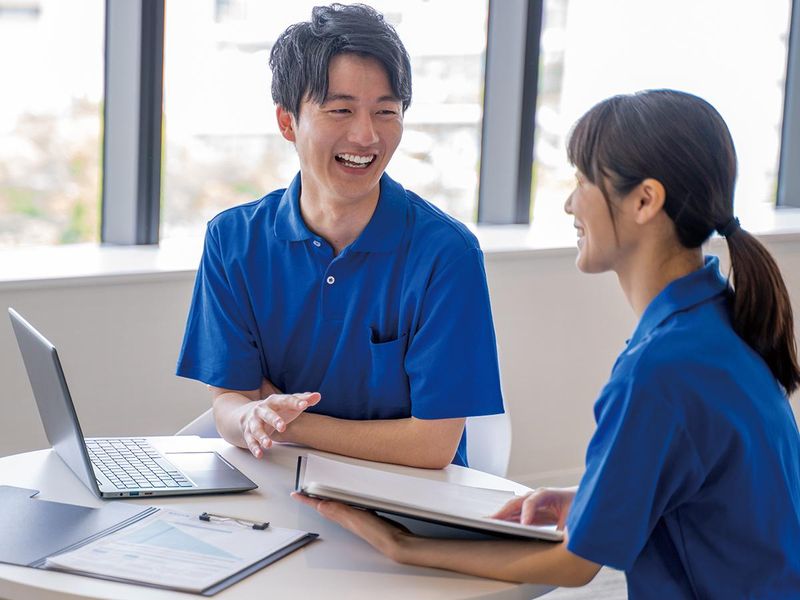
<point x="761" y="311"/>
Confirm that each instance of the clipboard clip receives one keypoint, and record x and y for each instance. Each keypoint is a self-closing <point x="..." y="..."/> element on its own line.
<point x="208" y="517"/>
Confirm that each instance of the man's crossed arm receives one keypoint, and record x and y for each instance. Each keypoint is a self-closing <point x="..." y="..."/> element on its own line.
<point x="253" y="419"/>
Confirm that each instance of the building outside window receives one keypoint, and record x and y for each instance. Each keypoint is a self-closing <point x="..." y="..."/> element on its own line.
<point x="728" y="52"/>
<point x="50" y="120"/>
<point x="222" y="147"/>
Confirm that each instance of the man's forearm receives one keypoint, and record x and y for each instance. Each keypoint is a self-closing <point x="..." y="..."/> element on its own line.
<point x="429" y="444"/>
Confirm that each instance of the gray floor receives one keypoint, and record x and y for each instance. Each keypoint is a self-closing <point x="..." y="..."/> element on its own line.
<point x="608" y="584"/>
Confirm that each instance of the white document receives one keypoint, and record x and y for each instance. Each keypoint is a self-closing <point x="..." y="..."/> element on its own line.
<point x="438" y="501"/>
<point x="176" y="550"/>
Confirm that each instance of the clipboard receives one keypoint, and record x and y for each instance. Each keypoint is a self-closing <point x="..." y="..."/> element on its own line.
<point x="32" y="530"/>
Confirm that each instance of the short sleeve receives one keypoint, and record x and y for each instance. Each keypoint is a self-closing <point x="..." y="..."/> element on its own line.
<point x="640" y="464"/>
<point x="451" y="361"/>
<point x="219" y="347"/>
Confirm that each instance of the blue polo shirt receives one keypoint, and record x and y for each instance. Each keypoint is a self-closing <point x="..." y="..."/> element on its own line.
<point x="397" y="325"/>
<point x="692" y="482"/>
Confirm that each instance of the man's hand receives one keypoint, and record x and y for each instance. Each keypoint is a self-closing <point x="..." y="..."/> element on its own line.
<point x="247" y="418"/>
<point x="263" y="420"/>
<point x="252" y="419"/>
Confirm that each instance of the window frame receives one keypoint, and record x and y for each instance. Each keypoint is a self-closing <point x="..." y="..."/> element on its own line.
<point x="789" y="179"/>
<point x="132" y="120"/>
<point x="132" y="132"/>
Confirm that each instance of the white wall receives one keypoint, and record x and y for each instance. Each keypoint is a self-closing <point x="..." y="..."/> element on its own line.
<point x="558" y="331"/>
<point x="118" y="342"/>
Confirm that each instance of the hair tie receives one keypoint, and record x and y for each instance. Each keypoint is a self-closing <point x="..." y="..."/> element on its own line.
<point x="729" y="228"/>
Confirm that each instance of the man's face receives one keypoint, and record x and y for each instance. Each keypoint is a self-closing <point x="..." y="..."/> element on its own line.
<point x="345" y="143"/>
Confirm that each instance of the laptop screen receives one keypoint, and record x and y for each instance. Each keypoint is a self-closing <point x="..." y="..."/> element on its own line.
<point x="56" y="409"/>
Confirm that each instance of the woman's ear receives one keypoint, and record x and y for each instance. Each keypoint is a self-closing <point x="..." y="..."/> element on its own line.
<point x="286" y="123"/>
<point x="649" y="196"/>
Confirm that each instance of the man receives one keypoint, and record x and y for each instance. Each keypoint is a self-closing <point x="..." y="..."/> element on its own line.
<point x="344" y="283"/>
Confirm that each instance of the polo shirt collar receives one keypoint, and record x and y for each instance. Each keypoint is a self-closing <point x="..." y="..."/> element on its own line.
<point x="682" y="294"/>
<point x="289" y="224"/>
<point x="387" y="225"/>
<point x="382" y="233"/>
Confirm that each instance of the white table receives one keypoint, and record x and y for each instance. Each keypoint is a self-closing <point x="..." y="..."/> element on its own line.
<point x="338" y="565"/>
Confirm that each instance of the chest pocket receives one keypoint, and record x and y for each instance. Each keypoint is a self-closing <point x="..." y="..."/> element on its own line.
<point x="387" y="382"/>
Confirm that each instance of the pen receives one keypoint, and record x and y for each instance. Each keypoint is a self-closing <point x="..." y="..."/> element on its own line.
<point x="206" y="516"/>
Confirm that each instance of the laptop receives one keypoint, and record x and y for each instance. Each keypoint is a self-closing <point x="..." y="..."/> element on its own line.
<point x="114" y="467"/>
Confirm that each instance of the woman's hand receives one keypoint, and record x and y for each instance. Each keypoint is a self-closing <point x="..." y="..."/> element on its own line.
<point x="263" y="420"/>
<point x="542" y="506"/>
<point x="387" y="538"/>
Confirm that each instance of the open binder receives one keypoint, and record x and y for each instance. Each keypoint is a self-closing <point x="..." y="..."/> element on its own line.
<point x="440" y="503"/>
<point x="41" y="534"/>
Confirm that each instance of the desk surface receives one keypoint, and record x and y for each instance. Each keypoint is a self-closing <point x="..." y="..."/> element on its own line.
<point x="338" y="565"/>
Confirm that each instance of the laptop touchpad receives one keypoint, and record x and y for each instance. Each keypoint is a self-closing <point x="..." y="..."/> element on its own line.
<point x="197" y="461"/>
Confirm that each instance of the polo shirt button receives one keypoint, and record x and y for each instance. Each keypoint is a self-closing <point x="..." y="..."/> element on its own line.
<point x="330" y="280"/>
<point x="316" y="243"/>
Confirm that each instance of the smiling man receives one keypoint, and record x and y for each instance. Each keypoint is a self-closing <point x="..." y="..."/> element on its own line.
<point x="344" y="313"/>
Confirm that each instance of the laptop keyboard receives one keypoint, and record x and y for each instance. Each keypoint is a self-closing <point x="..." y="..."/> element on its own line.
<point x="132" y="463"/>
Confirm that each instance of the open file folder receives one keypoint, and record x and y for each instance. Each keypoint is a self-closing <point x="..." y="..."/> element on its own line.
<point x="438" y="502"/>
<point x="135" y="544"/>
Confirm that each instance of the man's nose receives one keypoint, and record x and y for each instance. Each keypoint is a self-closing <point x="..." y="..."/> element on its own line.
<point x="568" y="205"/>
<point x="362" y="131"/>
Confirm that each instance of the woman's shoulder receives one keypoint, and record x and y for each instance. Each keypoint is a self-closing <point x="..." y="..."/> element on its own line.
<point x="695" y="367"/>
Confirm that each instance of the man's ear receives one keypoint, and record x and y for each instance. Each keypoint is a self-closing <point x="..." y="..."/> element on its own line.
<point x="286" y="123"/>
<point x="649" y="196"/>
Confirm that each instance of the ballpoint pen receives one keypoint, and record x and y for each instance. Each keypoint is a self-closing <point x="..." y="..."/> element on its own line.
<point x="207" y="516"/>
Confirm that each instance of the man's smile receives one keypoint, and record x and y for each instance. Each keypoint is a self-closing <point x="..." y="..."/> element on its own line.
<point x="355" y="161"/>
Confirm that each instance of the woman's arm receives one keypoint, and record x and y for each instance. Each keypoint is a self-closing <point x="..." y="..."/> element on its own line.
<point x="518" y="561"/>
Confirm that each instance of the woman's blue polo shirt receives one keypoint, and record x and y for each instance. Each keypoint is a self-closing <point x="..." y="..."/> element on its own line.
<point x="692" y="482"/>
<point x="397" y="325"/>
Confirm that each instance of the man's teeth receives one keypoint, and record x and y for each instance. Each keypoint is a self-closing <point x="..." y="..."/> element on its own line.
<point x="354" y="160"/>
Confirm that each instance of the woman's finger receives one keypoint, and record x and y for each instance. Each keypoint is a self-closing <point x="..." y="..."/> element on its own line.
<point x="510" y="510"/>
<point x="530" y="508"/>
<point x="308" y="501"/>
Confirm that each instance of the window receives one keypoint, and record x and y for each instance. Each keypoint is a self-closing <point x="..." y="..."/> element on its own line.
<point x="726" y="52"/>
<point x="222" y="146"/>
<point x="50" y="120"/>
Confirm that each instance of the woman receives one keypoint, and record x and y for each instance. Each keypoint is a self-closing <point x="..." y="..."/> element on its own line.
<point x="692" y="482"/>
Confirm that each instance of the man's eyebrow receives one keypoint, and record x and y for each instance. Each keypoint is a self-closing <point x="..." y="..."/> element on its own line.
<point x="335" y="97"/>
<point x="349" y="98"/>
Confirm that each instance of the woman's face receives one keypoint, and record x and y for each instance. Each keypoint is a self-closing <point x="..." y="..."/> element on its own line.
<point x="598" y="243"/>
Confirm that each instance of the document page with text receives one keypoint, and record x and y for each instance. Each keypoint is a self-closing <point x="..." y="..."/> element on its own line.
<point x="176" y="550"/>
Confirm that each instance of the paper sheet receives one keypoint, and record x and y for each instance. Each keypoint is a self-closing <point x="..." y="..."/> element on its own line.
<point x="176" y="550"/>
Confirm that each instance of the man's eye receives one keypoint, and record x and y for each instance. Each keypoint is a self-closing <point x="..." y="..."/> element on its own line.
<point x="340" y="111"/>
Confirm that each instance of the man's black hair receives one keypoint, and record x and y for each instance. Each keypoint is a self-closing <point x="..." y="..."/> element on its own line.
<point x="300" y="57"/>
